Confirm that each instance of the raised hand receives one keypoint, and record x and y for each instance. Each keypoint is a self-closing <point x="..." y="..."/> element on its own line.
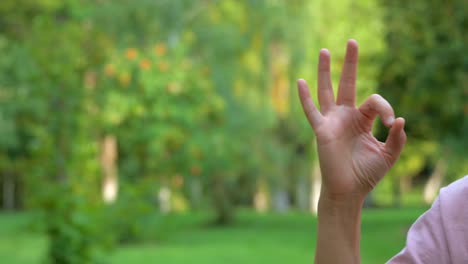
<point x="352" y="160"/>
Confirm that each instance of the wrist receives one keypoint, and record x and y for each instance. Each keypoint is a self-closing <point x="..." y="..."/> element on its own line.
<point x="346" y="207"/>
<point x="339" y="227"/>
<point x="341" y="198"/>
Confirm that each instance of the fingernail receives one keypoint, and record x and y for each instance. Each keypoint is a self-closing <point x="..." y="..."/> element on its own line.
<point x="352" y="41"/>
<point x="390" y="120"/>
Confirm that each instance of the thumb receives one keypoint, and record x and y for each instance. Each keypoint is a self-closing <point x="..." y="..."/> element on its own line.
<point x="396" y="139"/>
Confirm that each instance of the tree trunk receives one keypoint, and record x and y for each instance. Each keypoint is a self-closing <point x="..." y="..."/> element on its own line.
<point x="302" y="193"/>
<point x="109" y="167"/>
<point x="316" y="185"/>
<point x="401" y="185"/>
<point x="222" y="201"/>
<point x="280" y="199"/>
<point x="196" y="192"/>
<point x="435" y="181"/>
<point x="8" y="190"/>
<point x="164" y="199"/>
<point x="405" y="184"/>
<point x="261" y="197"/>
<point x="396" y="191"/>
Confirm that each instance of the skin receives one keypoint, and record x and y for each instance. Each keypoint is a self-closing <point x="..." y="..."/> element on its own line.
<point x="352" y="160"/>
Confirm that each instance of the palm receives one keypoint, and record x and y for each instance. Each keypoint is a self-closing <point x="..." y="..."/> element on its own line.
<point x="352" y="160"/>
<point x="344" y="138"/>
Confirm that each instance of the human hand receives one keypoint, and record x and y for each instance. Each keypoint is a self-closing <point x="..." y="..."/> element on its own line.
<point x="352" y="160"/>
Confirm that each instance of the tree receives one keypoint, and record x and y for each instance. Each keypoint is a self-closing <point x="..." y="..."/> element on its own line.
<point x="425" y="76"/>
<point x="51" y="50"/>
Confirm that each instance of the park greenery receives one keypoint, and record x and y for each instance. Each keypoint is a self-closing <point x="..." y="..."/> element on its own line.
<point x="117" y="117"/>
<point x="254" y="238"/>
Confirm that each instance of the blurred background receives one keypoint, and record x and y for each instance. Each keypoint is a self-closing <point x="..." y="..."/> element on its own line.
<point x="169" y="131"/>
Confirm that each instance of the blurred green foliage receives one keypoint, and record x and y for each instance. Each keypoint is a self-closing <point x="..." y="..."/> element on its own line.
<point x="426" y="62"/>
<point x="76" y="229"/>
<point x="424" y="75"/>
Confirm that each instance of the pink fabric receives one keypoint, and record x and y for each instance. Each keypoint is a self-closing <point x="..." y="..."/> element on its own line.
<point x="440" y="235"/>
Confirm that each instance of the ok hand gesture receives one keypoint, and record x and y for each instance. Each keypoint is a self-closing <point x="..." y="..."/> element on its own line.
<point x="352" y="160"/>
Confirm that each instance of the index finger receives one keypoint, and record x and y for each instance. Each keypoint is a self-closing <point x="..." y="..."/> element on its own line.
<point x="310" y="110"/>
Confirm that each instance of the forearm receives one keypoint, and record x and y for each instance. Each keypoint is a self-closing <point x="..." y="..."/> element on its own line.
<point x="339" y="227"/>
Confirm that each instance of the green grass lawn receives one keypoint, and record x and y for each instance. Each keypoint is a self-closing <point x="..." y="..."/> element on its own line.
<point x="264" y="238"/>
